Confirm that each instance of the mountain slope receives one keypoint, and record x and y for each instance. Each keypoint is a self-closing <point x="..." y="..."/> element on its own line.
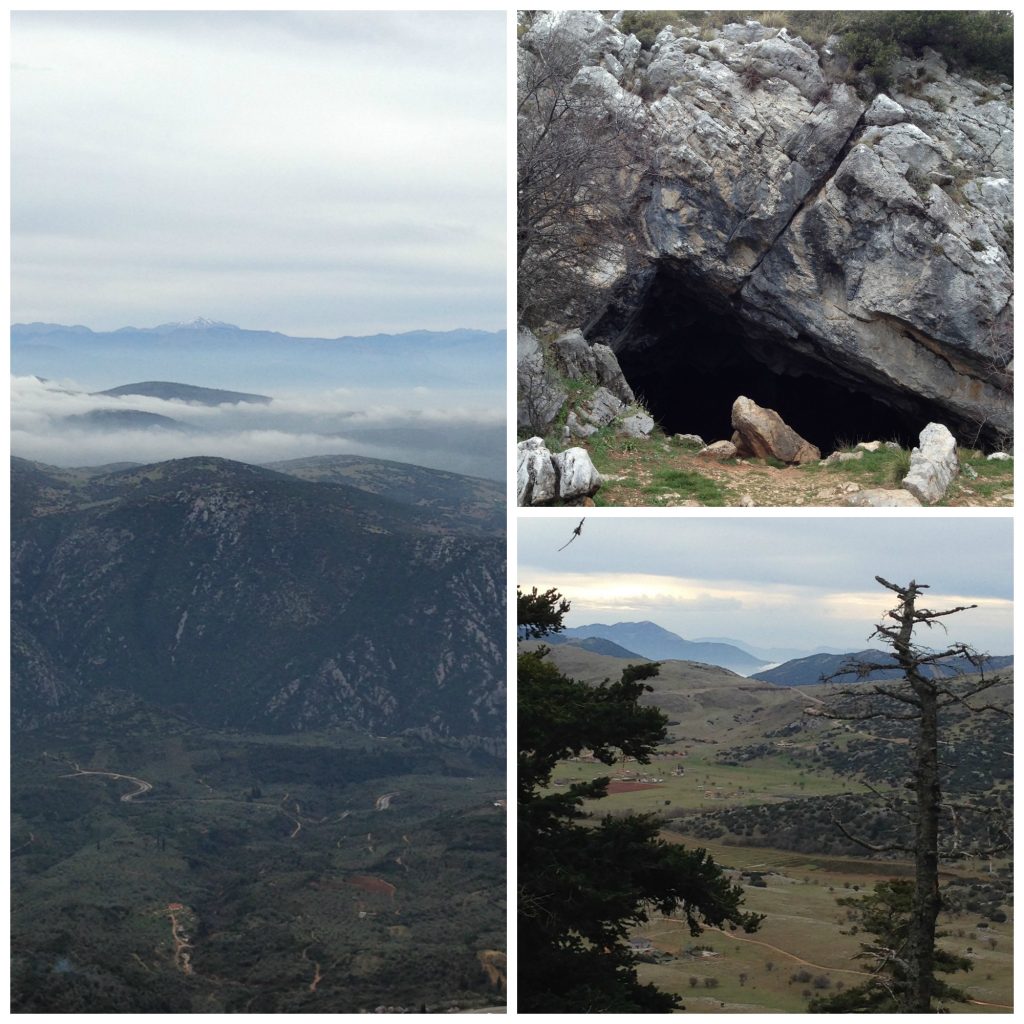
<point x="465" y="502"/>
<point x="245" y="598"/>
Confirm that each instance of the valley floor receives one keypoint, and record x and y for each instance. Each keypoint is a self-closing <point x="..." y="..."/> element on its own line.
<point x="310" y="873"/>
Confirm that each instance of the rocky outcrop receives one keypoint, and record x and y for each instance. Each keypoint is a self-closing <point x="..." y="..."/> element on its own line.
<point x="763" y="434"/>
<point x="933" y="465"/>
<point x="865" y="240"/>
<point x="578" y="359"/>
<point x="542" y="392"/>
<point x="539" y="396"/>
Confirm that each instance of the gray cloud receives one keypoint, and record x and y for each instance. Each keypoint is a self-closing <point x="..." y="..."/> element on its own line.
<point x="316" y="174"/>
<point x="789" y="581"/>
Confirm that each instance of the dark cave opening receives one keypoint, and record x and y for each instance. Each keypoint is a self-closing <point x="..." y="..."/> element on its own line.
<point x="688" y="362"/>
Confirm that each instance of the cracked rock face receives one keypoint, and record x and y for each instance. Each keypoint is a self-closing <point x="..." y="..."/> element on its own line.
<point x="871" y="239"/>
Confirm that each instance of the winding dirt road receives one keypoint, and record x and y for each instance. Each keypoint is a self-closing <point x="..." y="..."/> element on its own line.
<point x="143" y="786"/>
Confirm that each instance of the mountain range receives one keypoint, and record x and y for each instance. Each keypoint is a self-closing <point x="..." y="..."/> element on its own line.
<point x="225" y="355"/>
<point x="649" y="641"/>
<point x="246" y="598"/>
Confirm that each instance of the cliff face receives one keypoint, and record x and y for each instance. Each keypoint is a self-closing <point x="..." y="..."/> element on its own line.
<point x="865" y="243"/>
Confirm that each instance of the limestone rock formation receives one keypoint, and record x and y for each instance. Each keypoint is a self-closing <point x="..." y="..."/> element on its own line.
<point x="763" y="434"/>
<point x="861" y="242"/>
<point x="543" y="478"/>
<point x="933" y="465"/>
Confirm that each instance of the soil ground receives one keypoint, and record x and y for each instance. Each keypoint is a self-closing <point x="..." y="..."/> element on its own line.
<point x="658" y="471"/>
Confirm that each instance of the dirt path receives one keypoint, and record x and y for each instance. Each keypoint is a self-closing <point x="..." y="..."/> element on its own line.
<point x="31" y="840"/>
<point x="182" y="945"/>
<point x="808" y="963"/>
<point x="143" y="786"/>
<point x="317" y="975"/>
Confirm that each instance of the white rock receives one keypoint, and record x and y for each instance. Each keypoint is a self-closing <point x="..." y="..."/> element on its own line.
<point x="999" y="457"/>
<point x="933" y="464"/>
<point x="536" y="481"/>
<point x="884" y="111"/>
<point x="870" y="446"/>
<point x="694" y="439"/>
<point x="637" y="425"/>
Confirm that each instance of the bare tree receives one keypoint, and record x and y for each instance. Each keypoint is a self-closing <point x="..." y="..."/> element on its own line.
<point x="923" y="692"/>
<point x="582" y="153"/>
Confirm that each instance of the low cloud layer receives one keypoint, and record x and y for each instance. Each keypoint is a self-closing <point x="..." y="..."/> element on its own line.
<point x="56" y="423"/>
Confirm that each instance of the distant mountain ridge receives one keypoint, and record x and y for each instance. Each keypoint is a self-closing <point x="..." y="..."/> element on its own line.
<point x="594" y="644"/>
<point x="812" y="670"/>
<point x="171" y="391"/>
<point x="461" y="358"/>
<point x="653" y="641"/>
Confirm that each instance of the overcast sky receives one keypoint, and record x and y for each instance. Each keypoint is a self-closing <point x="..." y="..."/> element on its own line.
<point x="797" y="582"/>
<point x="313" y="173"/>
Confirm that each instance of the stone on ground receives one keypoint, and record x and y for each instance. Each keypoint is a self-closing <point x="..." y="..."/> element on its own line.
<point x="933" y="465"/>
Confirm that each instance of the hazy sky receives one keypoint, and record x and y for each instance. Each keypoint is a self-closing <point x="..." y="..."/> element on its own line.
<point x="313" y="173"/>
<point x="775" y="581"/>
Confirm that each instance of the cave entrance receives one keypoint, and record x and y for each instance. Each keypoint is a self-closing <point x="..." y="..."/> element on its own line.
<point x="688" y="361"/>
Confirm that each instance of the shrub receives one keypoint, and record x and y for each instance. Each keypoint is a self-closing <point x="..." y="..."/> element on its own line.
<point x="646" y="25"/>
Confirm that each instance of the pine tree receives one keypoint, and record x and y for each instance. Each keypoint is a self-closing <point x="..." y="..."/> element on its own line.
<point x="583" y="887"/>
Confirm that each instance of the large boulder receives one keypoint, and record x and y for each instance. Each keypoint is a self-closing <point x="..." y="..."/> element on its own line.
<point x="763" y="433"/>
<point x="933" y="465"/>
<point x="577" y="477"/>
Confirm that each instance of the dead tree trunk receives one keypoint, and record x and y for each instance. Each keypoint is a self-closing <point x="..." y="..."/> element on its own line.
<point x="918" y="698"/>
<point x="928" y="798"/>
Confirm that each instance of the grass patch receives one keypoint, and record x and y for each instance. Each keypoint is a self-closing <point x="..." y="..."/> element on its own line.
<point x="885" y="468"/>
<point x="688" y="485"/>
